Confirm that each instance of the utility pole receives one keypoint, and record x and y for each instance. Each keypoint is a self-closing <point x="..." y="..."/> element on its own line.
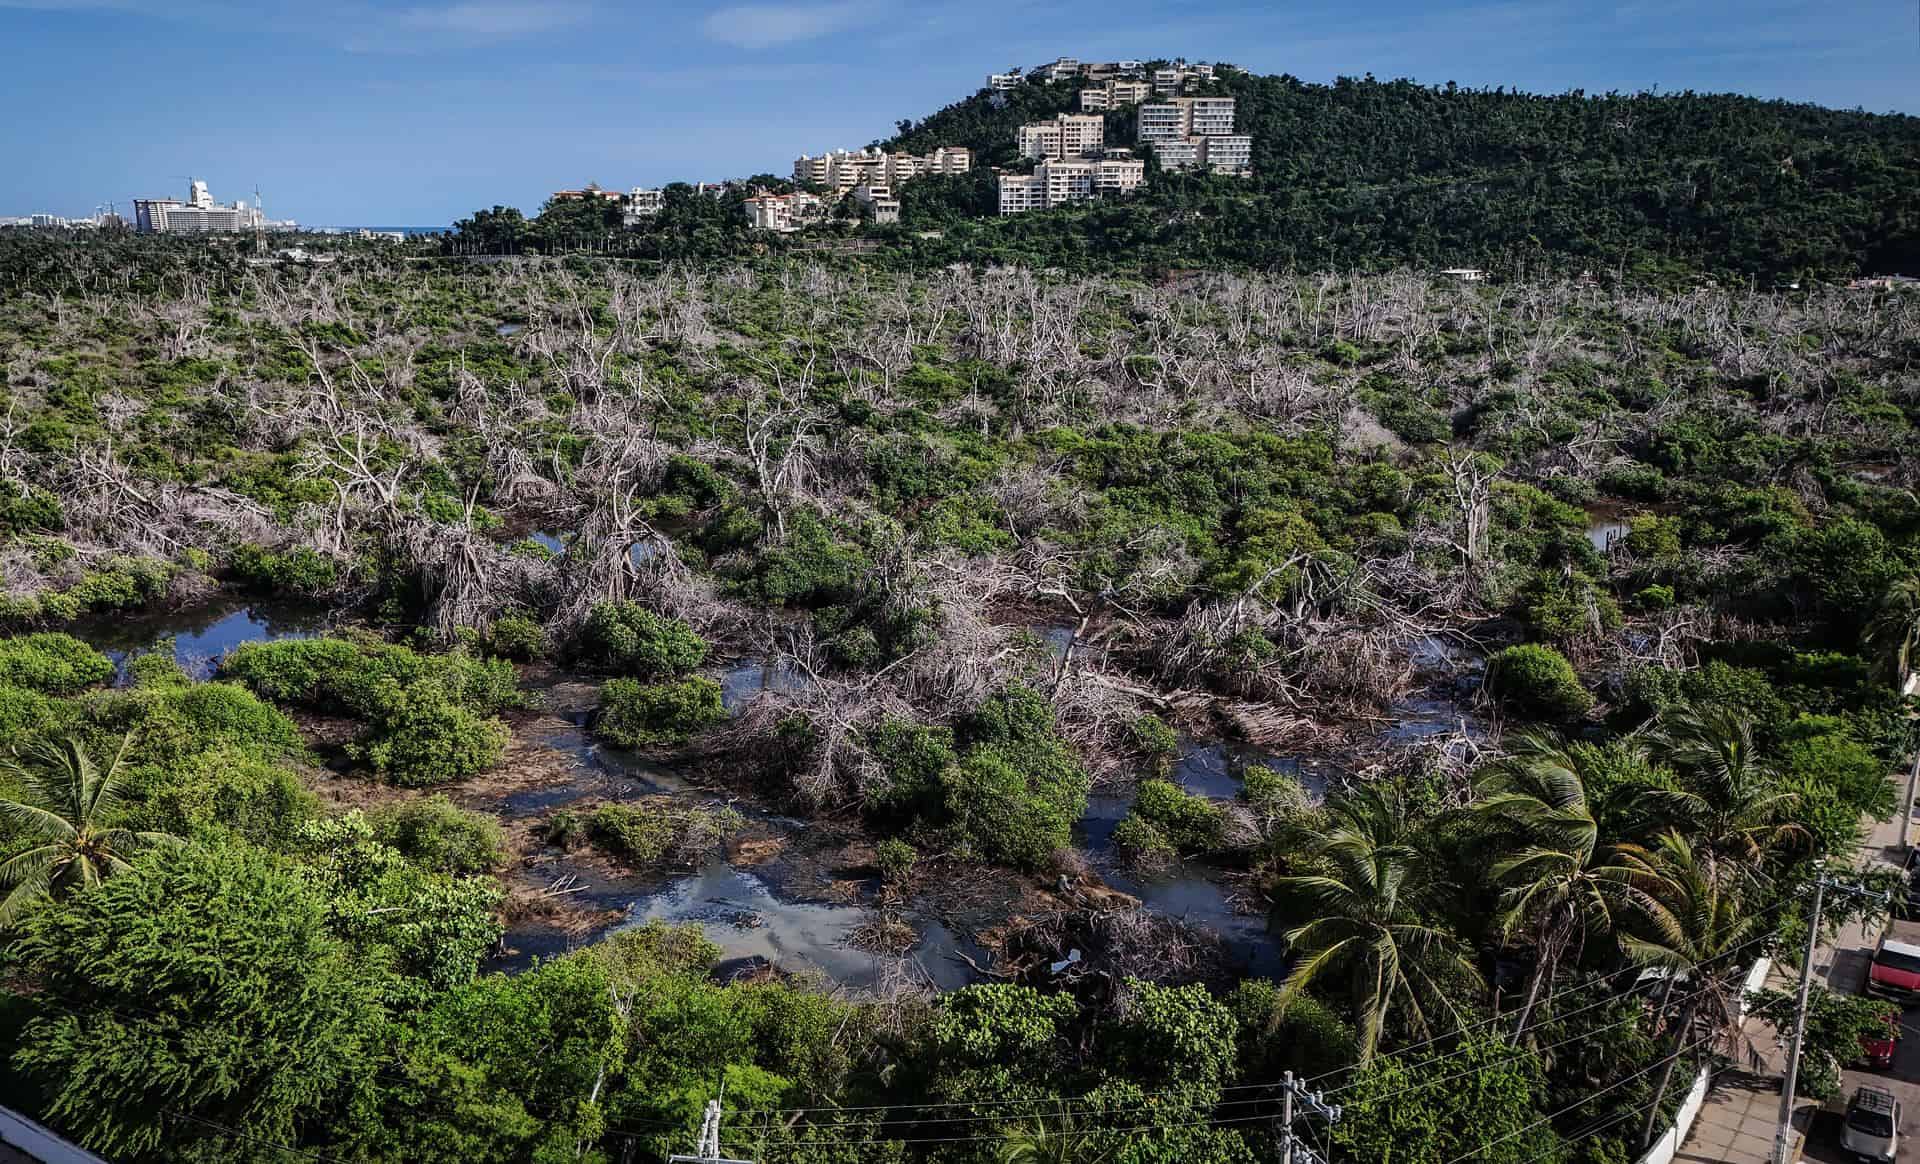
<point x="1783" y="1136"/>
<point x="707" y="1149"/>
<point x="1911" y="689"/>
<point x="1292" y="1151"/>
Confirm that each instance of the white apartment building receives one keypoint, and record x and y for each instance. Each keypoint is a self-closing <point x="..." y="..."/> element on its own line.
<point x="1173" y="80"/>
<point x="1229" y="153"/>
<point x="880" y="200"/>
<point x="641" y="204"/>
<point x="1114" y="94"/>
<point x="1062" y="69"/>
<point x="1070" y="135"/>
<point x="1054" y="183"/>
<point x="844" y="170"/>
<point x="1001" y="82"/>
<point x="1176" y="153"/>
<point x="199" y="214"/>
<point x="1022" y="192"/>
<point x="1186" y="117"/>
<point x="784" y="213"/>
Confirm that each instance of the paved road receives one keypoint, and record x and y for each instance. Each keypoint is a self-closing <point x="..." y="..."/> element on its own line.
<point x="1849" y="973"/>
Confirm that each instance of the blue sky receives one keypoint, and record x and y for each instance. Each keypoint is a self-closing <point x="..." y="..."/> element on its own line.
<point x="364" y="113"/>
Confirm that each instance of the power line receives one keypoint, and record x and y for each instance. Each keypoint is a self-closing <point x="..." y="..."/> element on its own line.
<point x="240" y="1135"/>
<point x="1267" y="1086"/>
<point x="45" y="998"/>
<point x="1614" y="1086"/>
<point x="1545" y="1022"/>
<point x="1581" y="1037"/>
<point x="1057" y="1107"/>
<point x="1586" y="1133"/>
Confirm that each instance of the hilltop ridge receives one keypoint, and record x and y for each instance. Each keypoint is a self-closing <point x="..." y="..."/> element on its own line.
<point x="1369" y="174"/>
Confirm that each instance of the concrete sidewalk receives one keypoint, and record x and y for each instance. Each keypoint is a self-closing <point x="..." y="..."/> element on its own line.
<point x="1737" y="1123"/>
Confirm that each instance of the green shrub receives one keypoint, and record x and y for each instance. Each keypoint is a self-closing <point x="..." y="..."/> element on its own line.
<point x="1018" y="788"/>
<point x="565" y="828"/>
<point x="1653" y="690"/>
<point x="1191" y="824"/>
<point x="517" y="637"/>
<point x="649" y="833"/>
<point x="637" y="715"/>
<point x="423" y="736"/>
<point x="999" y="816"/>
<point x="628" y="638"/>
<point x="1143" y="842"/>
<point x="1156" y="741"/>
<point x="895" y="859"/>
<point x="173" y="722"/>
<point x="24" y="713"/>
<point x="301" y="570"/>
<point x="436" y="834"/>
<point x="340" y="676"/>
<point x="52" y="663"/>
<point x="306" y="672"/>
<point x="638" y="834"/>
<point x="912" y="756"/>
<point x="228" y="790"/>
<point x="1652" y="598"/>
<point x="1538" y="682"/>
<point x="29" y="510"/>
<point x="1275" y="797"/>
<point x="1280" y="1033"/>
<point x="812" y="566"/>
<point x="157" y="668"/>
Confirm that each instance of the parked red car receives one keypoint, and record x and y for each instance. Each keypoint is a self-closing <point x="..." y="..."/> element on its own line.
<point x="1877" y="1051"/>
<point x="1895" y="972"/>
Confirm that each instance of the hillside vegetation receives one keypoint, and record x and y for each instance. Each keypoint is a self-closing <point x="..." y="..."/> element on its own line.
<point x="1369" y="175"/>
<point x="1366" y="173"/>
<point x="1267" y="511"/>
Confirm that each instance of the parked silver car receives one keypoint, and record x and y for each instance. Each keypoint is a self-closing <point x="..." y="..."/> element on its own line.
<point x="1871" y="1129"/>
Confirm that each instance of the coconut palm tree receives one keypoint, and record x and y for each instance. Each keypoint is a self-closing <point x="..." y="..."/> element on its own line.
<point x="1562" y="883"/>
<point x="1057" y="1139"/>
<point x="1363" y="894"/>
<point x="1729" y="799"/>
<point x="1892" y="635"/>
<point x="1691" y="923"/>
<point x="63" y="817"/>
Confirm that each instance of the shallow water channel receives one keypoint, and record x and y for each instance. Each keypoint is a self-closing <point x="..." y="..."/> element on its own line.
<point x="775" y="911"/>
<point x="199" y="638"/>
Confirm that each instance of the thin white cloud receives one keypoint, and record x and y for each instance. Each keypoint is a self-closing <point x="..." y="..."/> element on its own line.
<point x="425" y="28"/>
<point x="491" y="21"/>
<point x="758" y="26"/>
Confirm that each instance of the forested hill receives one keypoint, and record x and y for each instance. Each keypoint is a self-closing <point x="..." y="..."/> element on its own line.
<point x="1376" y="173"/>
<point x="1372" y="175"/>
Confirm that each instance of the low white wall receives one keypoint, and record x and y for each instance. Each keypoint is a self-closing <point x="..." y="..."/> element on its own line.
<point x="1668" y="1146"/>
<point x="1756" y="978"/>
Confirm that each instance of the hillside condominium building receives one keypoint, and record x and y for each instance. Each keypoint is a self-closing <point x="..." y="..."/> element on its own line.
<point x="1226" y="153"/>
<point x="1113" y="94"/>
<point x="1186" y="117"/>
<point x="784" y="213"/>
<point x="843" y="170"/>
<point x="1070" y="135"/>
<point x="1053" y="183"/>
